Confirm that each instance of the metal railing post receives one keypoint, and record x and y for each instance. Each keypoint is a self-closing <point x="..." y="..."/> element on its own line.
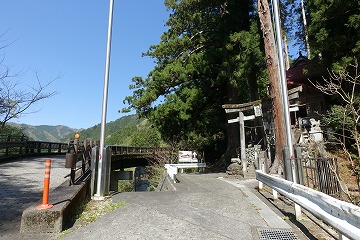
<point x="94" y="172"/>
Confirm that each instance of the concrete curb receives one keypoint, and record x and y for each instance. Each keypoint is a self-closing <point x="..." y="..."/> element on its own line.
<point x="66" y="200"/>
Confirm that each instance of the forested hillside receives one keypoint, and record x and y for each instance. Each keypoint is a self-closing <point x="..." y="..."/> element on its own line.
<point x="44" y="132"/>
<point x="127" y="130"/>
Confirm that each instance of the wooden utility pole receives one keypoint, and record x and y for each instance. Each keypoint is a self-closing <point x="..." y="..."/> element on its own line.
<point x="271" y="58"/>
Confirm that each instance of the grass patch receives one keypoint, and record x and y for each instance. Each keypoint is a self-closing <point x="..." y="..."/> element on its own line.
<point x="125" y="185"/>
<point x="91" y="211"/>
<point x="94" y="209"/>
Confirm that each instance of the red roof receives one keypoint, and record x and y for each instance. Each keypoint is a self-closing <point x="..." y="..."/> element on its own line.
<point x="300" y="71"/>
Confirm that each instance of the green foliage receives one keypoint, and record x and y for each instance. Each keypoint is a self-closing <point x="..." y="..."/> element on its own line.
<point x="127" y="131"/>
<point x="146" y="137"/>
<point x="339" y="118"/>
<point x="292" y="23"/>
<point x="334" y="31"/>
<point x="9" y="129"/>
<point x="126" y="123"/>
<point x="125" y="186"/>
<point x="209" y="56"/>
<point x="155" y="174"/>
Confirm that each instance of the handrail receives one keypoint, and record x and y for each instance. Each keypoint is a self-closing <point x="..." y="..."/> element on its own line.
<point x="343" y="216"/>
<point x="14" y="146"/>
<point x="20" y="146"/>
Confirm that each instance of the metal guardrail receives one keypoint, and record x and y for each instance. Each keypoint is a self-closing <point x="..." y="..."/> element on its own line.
<point x="126" y="150"/>
<point x="172" y="169"/>
<point x="343" y="216"/>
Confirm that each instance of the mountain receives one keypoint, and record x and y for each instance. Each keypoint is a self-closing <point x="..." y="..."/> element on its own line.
<point x="118" y="132"/>
<point x="127" y="131"/>
<point x="45" y="132"/>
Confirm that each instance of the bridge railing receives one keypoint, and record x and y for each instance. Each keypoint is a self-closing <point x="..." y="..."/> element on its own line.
<point x="123" y="150"/>
<point x="342" y="216"/>
<point x="78" y="152"/>
<point x="13" y="146"/>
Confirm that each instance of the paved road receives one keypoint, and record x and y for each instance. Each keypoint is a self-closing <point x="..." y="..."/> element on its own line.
<point x="206" y="206"/>
<point x="21" y="185"/>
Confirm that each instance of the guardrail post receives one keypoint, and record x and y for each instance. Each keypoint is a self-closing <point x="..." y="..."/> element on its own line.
<point x="107" y="157"/>
<point x="261" y="185"/>
<point x="45" y="200"/>
<point x="94" y="163"/>
<point x="84" y="155"/>
<point x="299" y="166"/>
<point x="275" y="194"/>
<point x="342" y="237"/>
<point x="287" y="164"/>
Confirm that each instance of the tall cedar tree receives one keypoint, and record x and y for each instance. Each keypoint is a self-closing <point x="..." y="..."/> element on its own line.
<point x="209" y="56"/>
<point x="334" y="31"/>
<point x="275" y="88"/>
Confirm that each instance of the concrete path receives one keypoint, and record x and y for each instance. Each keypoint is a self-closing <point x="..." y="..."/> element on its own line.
<point x="21" y="185"/>
<point x="206" y="206"/>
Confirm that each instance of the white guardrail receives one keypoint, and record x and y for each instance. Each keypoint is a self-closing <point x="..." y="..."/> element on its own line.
<point x="172" y="169"/>
<point x="343" y="216"/>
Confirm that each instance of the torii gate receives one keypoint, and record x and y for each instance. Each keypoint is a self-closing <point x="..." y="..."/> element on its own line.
<point x="257" y="107"/>
<point x="230" y="108"/>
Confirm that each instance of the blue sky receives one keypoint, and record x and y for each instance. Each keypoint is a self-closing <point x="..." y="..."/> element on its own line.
<point x="68" y="38"/>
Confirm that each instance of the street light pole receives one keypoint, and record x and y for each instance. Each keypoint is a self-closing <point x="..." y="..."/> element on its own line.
<point x="99" y="189"/>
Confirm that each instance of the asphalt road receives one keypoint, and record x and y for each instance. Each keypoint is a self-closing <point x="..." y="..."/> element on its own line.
<point x="21" y="185"/>
<point x="204" y="206"/>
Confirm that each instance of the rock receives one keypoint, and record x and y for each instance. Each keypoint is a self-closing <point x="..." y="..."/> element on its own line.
<point x="234" y="169"/>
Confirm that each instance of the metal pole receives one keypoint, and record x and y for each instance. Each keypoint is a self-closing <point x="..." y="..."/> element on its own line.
<point x="242" y="142"/>
<point x="284" y="89"/>
<point x="100" y="192"/>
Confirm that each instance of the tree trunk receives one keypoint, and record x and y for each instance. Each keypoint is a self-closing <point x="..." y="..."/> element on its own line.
<point x="232" y="129"/>
<point x="271" y="58"/>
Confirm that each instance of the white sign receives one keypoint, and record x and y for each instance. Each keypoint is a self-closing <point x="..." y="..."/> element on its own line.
<point x="187" y="156"/>
<point x="257" y="110"/>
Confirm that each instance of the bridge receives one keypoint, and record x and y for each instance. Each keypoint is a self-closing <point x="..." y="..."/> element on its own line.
<point x="196" y="206"/>
<point x="12" y="147"/>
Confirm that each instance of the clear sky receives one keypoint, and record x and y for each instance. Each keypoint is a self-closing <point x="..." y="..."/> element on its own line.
<point x="68" y="38"/>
